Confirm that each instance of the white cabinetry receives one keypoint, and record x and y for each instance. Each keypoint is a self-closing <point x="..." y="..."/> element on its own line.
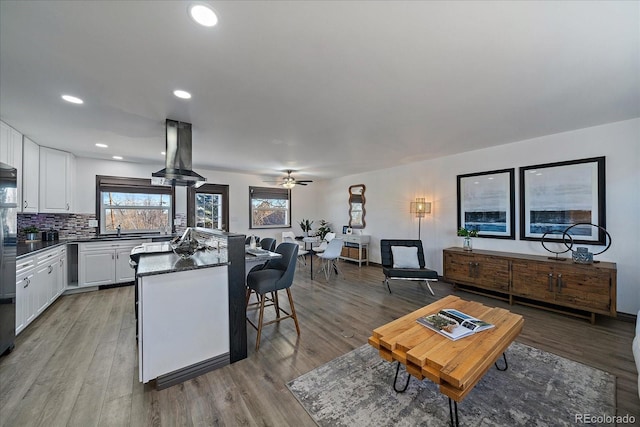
<point x="30" y="176"/>
<point x="25" y="295"/>
<point x="57" y="170"/>
<point x="11" y="152"/>
<point x="105" y="263"/>
<point x="183" y="320"/>
<point x="124" y="272"/>
<point x="62" y="271"/>
<point x="47" y="274"/>
<point x="40" y="280"/>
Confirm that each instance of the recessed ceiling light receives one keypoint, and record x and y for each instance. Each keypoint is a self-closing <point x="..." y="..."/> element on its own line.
<point x="163" y="153"/>
<point x="101" y="145"/>
<point x="203" y="15"/>
<point x="182" y="94"/>
<point x="117" y="157"/>
<point x="72" y="99"/>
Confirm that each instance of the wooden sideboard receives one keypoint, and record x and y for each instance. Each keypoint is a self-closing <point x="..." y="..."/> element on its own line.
<point x="561" y="286"/>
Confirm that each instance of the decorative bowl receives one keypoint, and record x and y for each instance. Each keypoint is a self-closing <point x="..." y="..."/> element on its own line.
<point x="184" y="248"/>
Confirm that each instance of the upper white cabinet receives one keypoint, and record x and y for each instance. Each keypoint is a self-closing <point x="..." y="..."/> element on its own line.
<point x="10" y="146"/>
<point x="57" y="169"/>
<point x="30" y="176"/>
<point x="11" y="152"/>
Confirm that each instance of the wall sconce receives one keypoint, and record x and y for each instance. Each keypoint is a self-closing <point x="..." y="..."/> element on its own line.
<point x="420" y="208"/>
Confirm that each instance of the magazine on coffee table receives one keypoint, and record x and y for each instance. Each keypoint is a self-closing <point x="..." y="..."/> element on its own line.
<point x="453" y="323"/>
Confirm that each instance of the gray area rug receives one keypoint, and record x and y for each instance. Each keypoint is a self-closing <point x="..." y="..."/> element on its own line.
<point x="538" y="389"/>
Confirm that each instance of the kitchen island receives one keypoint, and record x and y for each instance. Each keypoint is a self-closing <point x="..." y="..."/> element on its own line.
<point x="191" y="312"/>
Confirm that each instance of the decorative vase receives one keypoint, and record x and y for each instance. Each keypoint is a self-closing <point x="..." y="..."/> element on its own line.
<point x="305" y="233"/>
<point x="466" y="244"/>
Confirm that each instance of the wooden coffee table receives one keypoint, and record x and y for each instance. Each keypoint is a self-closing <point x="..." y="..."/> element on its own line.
<point x="456" y="366"/>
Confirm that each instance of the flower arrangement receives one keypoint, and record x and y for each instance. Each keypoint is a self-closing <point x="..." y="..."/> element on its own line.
<point x="463" y="232"/>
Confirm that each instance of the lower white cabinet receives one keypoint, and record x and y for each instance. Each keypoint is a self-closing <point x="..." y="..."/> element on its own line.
<point x="62" y="271"/>
<point x="46" y="278"/>
<point x="25" y="294"/>
<point x="96" y="268"/>
<point x="124" y="272"/>
<point x="40" y="280"/>
<point x="41" y="284"/>
<point x="105" y="263"/>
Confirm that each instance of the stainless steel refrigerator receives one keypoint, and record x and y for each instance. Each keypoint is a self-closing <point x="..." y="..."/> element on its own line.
<point x="8" y="238"/>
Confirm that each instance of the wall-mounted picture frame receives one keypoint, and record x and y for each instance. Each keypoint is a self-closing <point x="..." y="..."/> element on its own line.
<point x="554" y="196"/>
<point x="486" y="203"/>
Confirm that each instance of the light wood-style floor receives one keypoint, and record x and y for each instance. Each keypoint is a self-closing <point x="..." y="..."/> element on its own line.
<point x="77" y="364"/>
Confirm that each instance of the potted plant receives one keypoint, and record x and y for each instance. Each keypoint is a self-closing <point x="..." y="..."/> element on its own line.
<point x="467" y="234"/>
<point x="305" y="224"/>
<point x="31" y="232"/>
<point x="323" y="229"/>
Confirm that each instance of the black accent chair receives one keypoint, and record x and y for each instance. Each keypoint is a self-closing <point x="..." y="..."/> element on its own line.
<point x="275" y="276"/>
<point x="393" y="273"/>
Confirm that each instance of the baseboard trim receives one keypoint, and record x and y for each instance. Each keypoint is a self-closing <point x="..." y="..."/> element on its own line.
<point x="189" y="372"/>
<point x="116" y="285"/>
<point x="626" y="317"/>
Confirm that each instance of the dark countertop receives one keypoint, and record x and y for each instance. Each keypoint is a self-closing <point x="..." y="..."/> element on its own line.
<point x="159" y="259"/>
<point x="168" y="262"/>
<point x="29" y="248"/>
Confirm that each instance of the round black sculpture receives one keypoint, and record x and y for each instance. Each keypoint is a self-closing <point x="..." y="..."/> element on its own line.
<point x="564" y="233"/>
<point x="593" y="225"/>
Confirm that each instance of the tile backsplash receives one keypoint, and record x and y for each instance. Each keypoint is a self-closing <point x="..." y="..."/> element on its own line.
<point x="69" y="226"/>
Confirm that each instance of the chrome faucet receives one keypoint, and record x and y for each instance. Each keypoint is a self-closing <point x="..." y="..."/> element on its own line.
<point x="118" y="228"/>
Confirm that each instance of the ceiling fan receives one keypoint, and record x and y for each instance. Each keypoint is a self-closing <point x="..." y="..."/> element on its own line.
<point x="290" y="182"/>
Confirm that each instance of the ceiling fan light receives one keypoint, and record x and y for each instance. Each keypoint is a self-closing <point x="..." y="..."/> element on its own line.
<point x="289" y="184"/>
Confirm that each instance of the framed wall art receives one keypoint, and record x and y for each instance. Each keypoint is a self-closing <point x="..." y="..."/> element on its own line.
<point x="554" y="196"/>
<point x="486" y="203"/>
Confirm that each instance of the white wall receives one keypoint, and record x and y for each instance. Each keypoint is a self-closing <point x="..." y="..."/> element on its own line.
<point x="389" y="192"/>
<point x="304" y="200"/>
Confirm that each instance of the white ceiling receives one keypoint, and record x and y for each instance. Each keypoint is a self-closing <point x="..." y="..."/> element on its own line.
<point x="323" y="87"/>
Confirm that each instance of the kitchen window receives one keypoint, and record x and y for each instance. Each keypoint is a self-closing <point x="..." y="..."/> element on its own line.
<point x="269" y="207"/>
<point x="208" y="206"/>
<point x="134" y="205"/>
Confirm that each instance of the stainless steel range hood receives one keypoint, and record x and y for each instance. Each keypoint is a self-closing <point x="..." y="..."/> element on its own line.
<point x="178" y="161"/>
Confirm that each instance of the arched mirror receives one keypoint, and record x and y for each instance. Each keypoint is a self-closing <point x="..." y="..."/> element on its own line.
<point x="356" y="206"/>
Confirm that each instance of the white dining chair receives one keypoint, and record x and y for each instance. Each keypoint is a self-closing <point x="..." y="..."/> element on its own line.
<point x="325" y="242"/>
<point x="289" y="237"/>
<point x="330" y="257"/>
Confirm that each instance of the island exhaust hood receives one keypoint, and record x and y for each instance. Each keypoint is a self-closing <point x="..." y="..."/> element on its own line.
<point x="178" y="161"/>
